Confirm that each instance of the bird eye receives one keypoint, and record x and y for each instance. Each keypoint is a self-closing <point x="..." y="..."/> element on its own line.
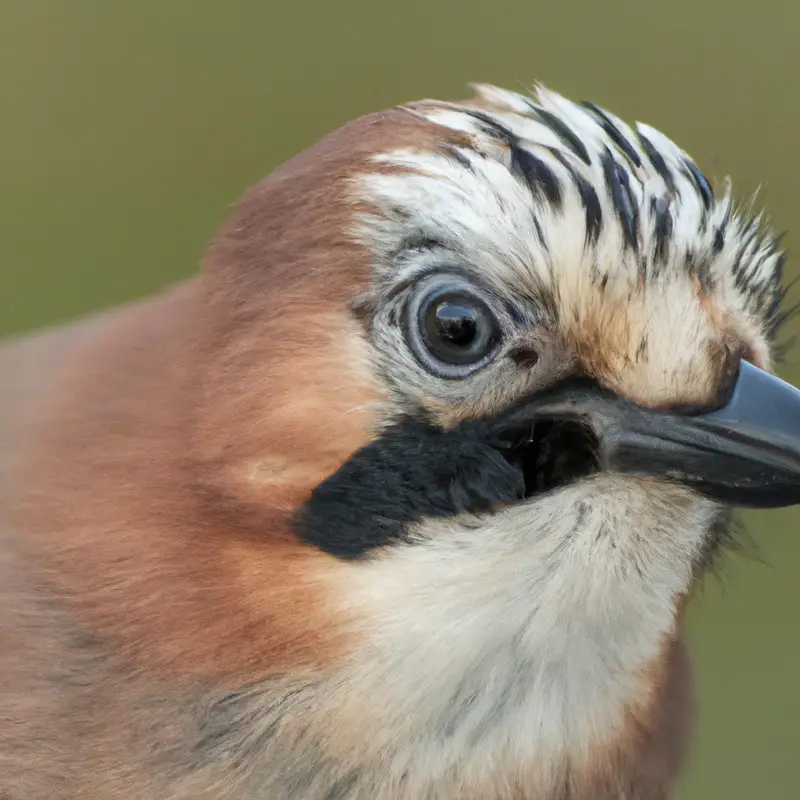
<point x="454" y="332"/>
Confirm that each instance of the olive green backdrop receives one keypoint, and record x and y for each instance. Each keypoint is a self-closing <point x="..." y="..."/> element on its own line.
<point x="126" y="130"/>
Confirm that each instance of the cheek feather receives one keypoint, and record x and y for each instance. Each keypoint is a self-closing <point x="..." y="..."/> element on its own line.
<point x="152" y="562"/>
<point x="305" y="411"/>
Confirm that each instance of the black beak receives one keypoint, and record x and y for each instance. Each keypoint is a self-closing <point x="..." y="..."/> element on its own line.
<point x="746" y="453"/>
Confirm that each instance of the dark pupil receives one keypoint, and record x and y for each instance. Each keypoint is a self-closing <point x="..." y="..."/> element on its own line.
<point x="458" y="330"/>
<point x="456" y="324"/>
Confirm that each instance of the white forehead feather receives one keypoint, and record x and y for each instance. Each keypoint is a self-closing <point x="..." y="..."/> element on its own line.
<point x="541" y="188"/>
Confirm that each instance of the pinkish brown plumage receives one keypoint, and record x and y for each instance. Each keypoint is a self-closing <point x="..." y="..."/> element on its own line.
<point x="198" y="605"/>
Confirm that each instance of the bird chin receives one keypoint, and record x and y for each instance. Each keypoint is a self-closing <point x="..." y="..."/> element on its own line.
<point x="561" y="459"/>
<point x="605" y="494"/>
<point x="570" y="489"/>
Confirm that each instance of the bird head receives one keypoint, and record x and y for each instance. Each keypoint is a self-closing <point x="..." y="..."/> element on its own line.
<point x="475" y="386"/>
<point x="479" y="350"/>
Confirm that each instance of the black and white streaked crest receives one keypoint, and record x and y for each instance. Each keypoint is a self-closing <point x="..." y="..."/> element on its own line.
<point x="550" y="187"/>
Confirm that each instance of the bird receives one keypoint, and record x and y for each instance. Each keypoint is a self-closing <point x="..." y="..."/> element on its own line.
<point x="403" y="495"/>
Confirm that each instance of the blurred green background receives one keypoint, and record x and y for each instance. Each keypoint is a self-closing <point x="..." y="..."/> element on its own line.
<point x="128" y="129"/>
